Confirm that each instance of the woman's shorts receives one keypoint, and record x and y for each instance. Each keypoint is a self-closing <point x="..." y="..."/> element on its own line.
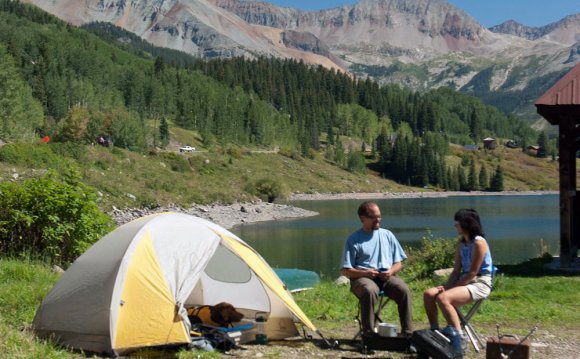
<point x="480" y="287"/>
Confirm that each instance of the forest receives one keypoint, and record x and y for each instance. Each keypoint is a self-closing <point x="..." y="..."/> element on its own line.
<point x="77" y="84"/>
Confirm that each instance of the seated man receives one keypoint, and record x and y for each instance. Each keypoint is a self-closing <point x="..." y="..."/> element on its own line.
<point x="371" y="259"/>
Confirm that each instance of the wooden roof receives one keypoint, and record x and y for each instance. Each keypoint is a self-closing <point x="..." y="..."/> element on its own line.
<point x="561" y="99"/>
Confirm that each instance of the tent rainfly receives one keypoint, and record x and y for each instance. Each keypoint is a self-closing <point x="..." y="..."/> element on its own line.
<point x="132" y="287"/>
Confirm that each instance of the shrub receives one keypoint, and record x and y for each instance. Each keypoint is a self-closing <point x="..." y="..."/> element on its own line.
<point x="176" y="162"/>
<point x="29" y="155"/>
<point x="293" y="154"/>
<point x="432" y="255"/>
<point x="69" y="149"/>
<point x="234" y="152"/>
<point x="268" y="189"/>
<point x="43" y="218"/>
<point x="356" y="162"/>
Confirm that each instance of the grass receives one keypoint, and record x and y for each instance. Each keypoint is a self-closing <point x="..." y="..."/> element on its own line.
<point x="129" y="179"/>
<point x="526" y="295"/>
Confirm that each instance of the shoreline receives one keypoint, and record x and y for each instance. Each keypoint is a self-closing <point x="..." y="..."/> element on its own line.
<point x="395" y="195"/>
<point x="229" y="216"/>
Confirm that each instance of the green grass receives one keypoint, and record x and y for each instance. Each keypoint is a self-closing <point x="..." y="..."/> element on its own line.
<point x="526" y="295"/>
<point x="205" y="176"/>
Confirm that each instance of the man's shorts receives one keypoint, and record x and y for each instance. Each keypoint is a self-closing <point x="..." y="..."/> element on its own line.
<point x="479" y="287"/>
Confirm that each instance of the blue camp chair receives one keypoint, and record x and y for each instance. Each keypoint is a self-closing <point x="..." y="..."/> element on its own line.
<point x="468" y="328"/>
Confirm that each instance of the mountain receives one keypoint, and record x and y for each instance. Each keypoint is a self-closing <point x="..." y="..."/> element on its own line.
<point x="564" y="31"/>
<point x="196" y="27"/>
<point x="421" y="44"/>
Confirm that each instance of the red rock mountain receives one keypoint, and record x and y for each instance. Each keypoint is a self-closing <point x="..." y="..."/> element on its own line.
<point x="417" y="43"/>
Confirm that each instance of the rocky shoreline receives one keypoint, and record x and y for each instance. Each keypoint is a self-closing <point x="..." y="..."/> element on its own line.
<point x="226" y="216"/>
<point x="231" y="215"/>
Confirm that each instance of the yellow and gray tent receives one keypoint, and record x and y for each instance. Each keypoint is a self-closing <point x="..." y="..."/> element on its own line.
<point x="132" y="287"/>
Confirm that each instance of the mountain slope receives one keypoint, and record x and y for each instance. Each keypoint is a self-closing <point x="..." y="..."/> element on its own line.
<point x="193" y="26"/>
<point x="421" y="44"/>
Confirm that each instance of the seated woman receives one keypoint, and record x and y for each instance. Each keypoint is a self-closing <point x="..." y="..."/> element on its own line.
<point x="469" y="281"/>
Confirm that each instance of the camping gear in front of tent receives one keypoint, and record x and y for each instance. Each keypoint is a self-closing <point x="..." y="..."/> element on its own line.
<point x="434" y="344"/>
<point x="508" y="346"/>
<point x="131" y="288"/>
<point x="377" y="342"/>
<point x="261" y="336"/>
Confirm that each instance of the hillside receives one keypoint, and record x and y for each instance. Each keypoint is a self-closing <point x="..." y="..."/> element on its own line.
<point x="127" y="179"/>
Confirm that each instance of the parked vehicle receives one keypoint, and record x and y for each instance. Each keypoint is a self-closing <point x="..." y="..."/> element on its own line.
<point x="186" y="149"/>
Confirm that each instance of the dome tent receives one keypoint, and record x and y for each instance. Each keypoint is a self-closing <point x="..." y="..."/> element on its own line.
<point x="132" y="287"/>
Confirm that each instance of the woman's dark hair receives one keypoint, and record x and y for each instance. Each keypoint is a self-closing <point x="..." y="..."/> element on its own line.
<point x="469" y="221"/>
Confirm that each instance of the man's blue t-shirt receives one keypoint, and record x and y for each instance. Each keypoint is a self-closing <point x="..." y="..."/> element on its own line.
<point x="378" y="249"/>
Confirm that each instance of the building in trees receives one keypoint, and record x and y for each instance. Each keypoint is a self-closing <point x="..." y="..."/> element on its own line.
<point x="489" y="143"/>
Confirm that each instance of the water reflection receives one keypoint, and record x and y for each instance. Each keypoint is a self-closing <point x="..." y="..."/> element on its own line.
<point x="514" y="226"/>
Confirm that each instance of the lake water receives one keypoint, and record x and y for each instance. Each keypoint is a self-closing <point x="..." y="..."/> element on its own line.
<point x="515" y="227"/>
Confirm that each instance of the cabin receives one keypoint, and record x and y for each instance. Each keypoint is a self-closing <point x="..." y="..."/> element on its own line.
<point x="560" y="106"/>
<point x="489" y="143"/>
<point x="471" y="147"/>
<point x="533" y="149"/>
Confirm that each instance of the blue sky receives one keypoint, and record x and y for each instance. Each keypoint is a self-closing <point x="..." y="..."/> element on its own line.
<point x="487" y="12"/>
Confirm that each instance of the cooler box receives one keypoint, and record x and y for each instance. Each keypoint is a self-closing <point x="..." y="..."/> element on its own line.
<point x="496" y="346"/>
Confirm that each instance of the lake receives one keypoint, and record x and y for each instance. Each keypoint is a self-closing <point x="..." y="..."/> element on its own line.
<point x="516" y="227"/>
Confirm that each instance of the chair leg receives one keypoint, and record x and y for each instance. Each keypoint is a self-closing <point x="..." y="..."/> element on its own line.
<point x="471" y="332"/>
<point x="383" y="300"/>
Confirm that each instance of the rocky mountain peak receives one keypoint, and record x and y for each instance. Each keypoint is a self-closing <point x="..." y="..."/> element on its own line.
<point x="512" y="27"/>
<point x="565" y="31"/>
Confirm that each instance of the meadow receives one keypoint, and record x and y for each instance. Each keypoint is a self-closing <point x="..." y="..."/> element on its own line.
<point x="525" y="295"/>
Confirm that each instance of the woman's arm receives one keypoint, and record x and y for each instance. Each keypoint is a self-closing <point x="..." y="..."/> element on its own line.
<point x="479" y="250"/>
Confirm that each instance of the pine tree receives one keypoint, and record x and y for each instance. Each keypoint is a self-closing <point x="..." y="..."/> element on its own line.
<point x="472" y="178"/>
<point x="483" y="179"/>
<point x="497" y="180"/>
<point x="164" y="132"/>
<point x="462" y="179"/>
<point x="339" y="153"/>
<point x="20" y="113"/>
<point x="542" y="143"/>
<point x="454" y="180"/>
<point x="330" y="136"/>
<point x="159" y="65"/>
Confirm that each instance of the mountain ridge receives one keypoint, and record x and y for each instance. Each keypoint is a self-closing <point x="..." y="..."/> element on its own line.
<point x="421" y="44"/>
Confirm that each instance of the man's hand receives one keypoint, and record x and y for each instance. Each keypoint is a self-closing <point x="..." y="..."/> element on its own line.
<point x="373" y="273"/>
<point x="385" y="273"/>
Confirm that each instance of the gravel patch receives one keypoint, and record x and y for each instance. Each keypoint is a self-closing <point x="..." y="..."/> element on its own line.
<point x="226" y="216"/>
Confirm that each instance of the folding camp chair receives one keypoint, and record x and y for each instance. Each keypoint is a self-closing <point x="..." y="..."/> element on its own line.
<point x="468" y="328"/>
<point x="383" y="300"/>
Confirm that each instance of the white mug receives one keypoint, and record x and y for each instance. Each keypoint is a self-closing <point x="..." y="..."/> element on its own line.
<point x="387" y="330"/>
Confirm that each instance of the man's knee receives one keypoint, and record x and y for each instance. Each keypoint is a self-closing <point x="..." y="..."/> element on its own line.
<point x="363" y="292"/>
<point x="403" y="288"/>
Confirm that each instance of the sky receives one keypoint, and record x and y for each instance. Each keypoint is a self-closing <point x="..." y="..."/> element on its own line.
<point x="487" y="12"/>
